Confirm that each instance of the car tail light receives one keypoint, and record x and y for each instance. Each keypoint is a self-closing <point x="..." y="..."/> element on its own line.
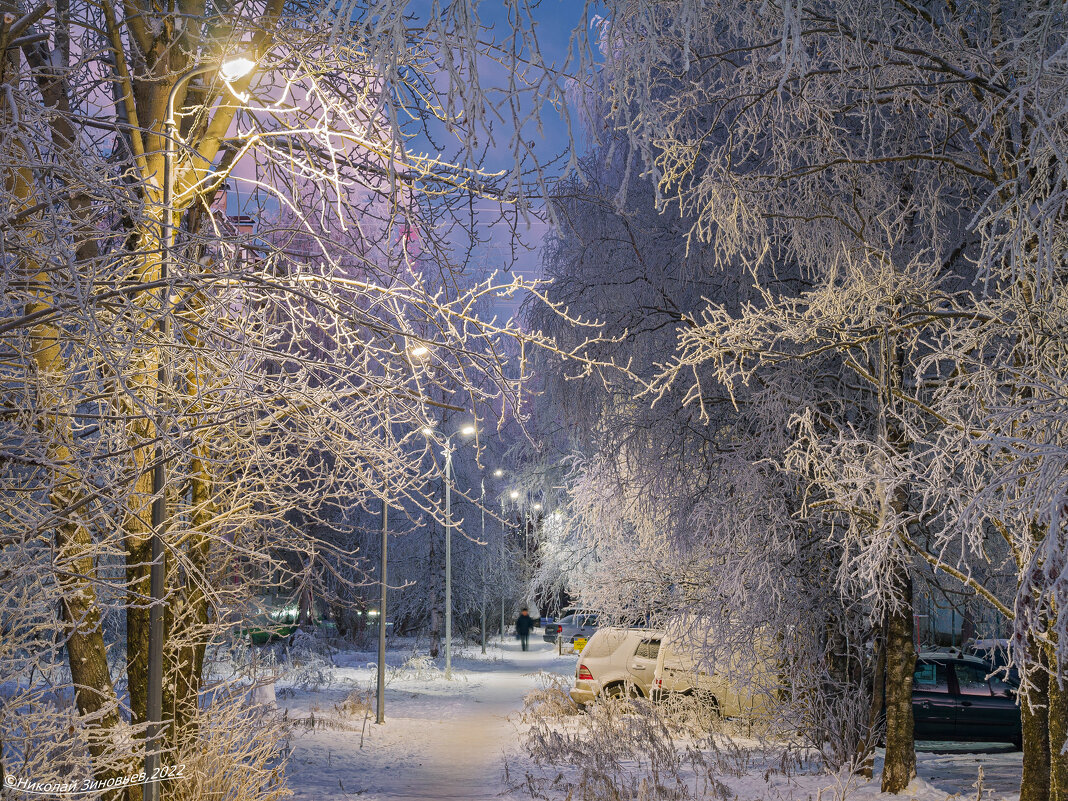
<point x="658" y="683"/>
<point x="584" y="673"/>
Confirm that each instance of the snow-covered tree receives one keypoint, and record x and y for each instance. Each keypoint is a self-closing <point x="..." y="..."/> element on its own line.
<point x="907" y="159"/>
<point x="268" y="372"/>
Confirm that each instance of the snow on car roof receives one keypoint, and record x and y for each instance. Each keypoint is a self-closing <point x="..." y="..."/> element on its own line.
<point x="948" y="654"/>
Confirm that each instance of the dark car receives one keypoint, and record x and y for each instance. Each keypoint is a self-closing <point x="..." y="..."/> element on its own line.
<point x="952" y="699"/>
<point x="582" y="624"/>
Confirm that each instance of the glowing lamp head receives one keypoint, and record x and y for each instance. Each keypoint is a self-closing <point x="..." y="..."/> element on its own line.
<point x="467" y="430"/>
<point x="233" y="69"/>
<point x="427" y="430"/>
<point x="419" y="351"/>
<point x="498" y="473"/>
<point x="514" y="495"/>
<point x="537" y="507"/>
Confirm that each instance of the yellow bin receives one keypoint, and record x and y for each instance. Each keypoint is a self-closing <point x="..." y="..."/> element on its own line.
<point x="580" y="643"/>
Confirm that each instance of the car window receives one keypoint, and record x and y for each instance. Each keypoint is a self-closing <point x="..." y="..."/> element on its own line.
<point x="647" y="649"/>
<point x="1001" y="688"/>
<point x="930" y="677"/>
<point x="603" y="643"/>
<point x="971" y="678"/>
<point x="994" y="656"/>
<point x="569" y="620"/>
<point x="591" y="620"/>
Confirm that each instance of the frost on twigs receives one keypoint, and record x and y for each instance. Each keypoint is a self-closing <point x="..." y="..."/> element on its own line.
<point x="251" y="399"/>
<point x="550" y="700"/>
<point x="630" y="748"/>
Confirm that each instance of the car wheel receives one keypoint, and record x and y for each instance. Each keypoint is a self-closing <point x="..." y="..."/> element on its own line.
<point x="616" y="691"/>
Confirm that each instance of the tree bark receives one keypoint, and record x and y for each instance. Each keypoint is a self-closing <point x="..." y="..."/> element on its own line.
<point x="190" y="630"/>
<point x="875" y="711"/>
<point x="1034" y="719"/>
<point x="436" y="596"/>
<point x="900" y="765"/>
<point x="1058" y="732"/>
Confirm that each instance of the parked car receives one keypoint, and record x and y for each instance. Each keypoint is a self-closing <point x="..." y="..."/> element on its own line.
<point x="952" y="699"/>
<point x="681" y="668"/>
<point x="272" y="617"/>
<point x="572" y="626"/>
<point x="616" y="662"/>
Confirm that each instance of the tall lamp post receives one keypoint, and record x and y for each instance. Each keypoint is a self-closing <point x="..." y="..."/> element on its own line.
<point x="230" y="70"/>
<point x="467" y="431"/>
<point x="380" y="711"/>
<point x="482" y="506"/>
<point x="514" y="495"/>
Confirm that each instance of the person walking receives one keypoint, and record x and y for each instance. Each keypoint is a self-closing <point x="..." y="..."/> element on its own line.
<point x="523" y="624"/>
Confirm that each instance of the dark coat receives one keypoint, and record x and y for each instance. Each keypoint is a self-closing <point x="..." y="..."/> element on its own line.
<point x="524" y="624"/>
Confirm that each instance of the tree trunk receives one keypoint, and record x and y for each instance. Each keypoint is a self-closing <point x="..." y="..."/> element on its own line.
<point x="94" y="692"/>
<point x="1034" y="718"/>
<point x="190" y="630"/>
<point x="866" y="757"/>
<point x="1058" y="732"/>
<point x="900" y="765"/>
<point x="138" y="553"/>
<point x="436" y="596"/>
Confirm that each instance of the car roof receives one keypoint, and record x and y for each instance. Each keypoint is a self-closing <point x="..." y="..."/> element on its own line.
<point x="948" y="655"/>
<point x="632" y="630"/>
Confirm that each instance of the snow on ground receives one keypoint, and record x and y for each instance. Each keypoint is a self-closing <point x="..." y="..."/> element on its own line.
<point x="441" y="740"/>
<point x="946" y="771"/>
<point x="449" y="740"/>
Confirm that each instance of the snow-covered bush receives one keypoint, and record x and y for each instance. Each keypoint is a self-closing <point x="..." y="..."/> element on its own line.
<point x="308" y="664"/>
<point x="239" y="754"/>
<point x="624" y="749"/>
<point x="417" y="667"/>
<point x="550" y="701"/>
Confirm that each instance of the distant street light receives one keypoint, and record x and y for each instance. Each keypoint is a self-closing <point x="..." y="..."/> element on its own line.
<point x="230" y="70"/>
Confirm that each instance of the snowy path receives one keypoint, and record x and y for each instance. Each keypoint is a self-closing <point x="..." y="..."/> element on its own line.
<point x="441" y="740"/>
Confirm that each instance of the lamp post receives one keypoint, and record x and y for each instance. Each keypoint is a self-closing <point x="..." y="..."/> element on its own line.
<point x="466" y="431"/>
<point x="482" y="506"/>
<point x="230" y="70"/>
<point x="380" y="710"/>
<point x="514" y="495"/>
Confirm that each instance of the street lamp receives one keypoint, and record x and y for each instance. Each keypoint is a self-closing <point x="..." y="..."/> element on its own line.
<point x="380" y="706"/>
<point x="466" y="430"/>
<point x="482" y="506"/>
<point x="229" y="70"/>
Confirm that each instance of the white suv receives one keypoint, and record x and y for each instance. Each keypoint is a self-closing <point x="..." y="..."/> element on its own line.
<point x="616" y="662"/>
